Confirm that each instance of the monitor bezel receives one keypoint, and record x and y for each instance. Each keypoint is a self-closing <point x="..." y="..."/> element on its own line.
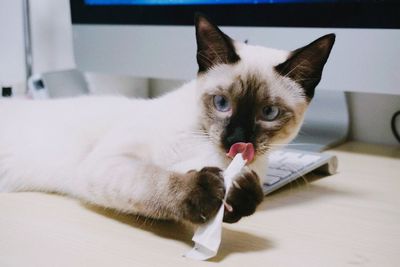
<point x="372" y="14"/>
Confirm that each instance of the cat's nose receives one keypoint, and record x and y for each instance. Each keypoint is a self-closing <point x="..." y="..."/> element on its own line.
<point x="236" y="136"/>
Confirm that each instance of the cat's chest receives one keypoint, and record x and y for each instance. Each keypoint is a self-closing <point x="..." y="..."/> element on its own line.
<point x="184" y="153"/>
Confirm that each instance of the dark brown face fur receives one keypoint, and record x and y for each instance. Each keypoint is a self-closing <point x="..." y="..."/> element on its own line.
<point x="248" y="95"/>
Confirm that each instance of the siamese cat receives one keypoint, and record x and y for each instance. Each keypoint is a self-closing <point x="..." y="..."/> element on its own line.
<point x="163" y="158"/>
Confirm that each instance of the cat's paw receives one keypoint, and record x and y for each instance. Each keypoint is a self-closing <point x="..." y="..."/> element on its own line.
<point x="205" y="195"/>
<point x="243" y="197"/>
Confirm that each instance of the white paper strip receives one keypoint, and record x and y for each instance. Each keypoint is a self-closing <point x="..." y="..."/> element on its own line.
<point x="207" y="237"/>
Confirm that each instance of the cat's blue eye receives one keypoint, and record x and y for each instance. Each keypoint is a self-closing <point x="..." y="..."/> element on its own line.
<point x="221" y="103"/>
<point x="270" y="113"/>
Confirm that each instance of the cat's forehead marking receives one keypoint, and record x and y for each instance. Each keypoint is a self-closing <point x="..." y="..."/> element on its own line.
<point x="255" y="72"/>
<point x="254" y="83"/>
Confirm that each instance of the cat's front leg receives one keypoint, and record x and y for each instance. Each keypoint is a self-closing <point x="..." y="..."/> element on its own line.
<point x="128" y="184"/>
<point x="244" y="196"/>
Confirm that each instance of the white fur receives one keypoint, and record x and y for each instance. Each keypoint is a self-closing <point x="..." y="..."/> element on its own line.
<point x="85" y="146"/>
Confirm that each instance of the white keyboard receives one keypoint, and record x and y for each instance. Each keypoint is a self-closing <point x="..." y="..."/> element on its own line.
<point x="286" y="165"/>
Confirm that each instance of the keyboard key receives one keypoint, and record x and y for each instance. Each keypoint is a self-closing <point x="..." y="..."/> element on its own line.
<point x="309" y="158"/>
<point x="292" y="155"/>
<point x="293" y="166"/>
<point x="270" y="180"/>
<point x="275" y="159"/>
<point x="286" y="165"/>
<point x="278" y="172"/>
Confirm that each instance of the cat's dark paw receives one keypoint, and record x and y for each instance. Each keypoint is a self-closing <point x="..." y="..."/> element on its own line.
<point x="244" y="196"/>
<point x="204" y="198"/>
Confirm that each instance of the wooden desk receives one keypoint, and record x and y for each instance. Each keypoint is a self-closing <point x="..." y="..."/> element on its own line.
<point x="351" y="218"/>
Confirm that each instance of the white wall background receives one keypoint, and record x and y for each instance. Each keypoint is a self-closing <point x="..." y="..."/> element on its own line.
<point x="12" y="61"/>
<point x="51" y="35"/>
<point x="51" y="38"/>
<point x="51" y="47"/>
<point x="52" y="50"/>
<point x="370" y="116"/>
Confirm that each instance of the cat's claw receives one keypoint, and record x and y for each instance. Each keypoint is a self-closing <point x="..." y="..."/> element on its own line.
<point x="227" y="206"/>
<point x="204" y="196"/>
<point x="243" y="197"/>
<point x="203" y="217"/>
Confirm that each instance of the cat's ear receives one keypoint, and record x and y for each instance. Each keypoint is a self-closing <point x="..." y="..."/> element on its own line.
<point x="305" y="64"/>
<point x="213" y="46"/>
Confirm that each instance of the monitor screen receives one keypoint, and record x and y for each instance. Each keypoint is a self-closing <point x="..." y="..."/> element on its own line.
<point x="202" y="2"/>
<point x="272" y="13"/>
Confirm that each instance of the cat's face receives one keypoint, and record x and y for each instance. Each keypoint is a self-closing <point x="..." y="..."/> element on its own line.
<point x="254" y="94"/>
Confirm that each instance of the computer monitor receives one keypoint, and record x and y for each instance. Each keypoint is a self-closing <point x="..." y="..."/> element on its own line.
<point x="155" y="38"/>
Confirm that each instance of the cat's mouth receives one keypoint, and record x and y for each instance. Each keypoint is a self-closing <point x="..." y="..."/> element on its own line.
<point x="247" y="150"/>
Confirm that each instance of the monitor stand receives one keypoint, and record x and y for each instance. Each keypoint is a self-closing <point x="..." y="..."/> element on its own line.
<point x="326" y="123"/>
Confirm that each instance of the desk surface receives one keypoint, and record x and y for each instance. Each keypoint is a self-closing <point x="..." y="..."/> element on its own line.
<point x="350" y="218"/>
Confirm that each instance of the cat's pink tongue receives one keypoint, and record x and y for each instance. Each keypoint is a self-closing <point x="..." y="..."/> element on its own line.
<point x="247" y="150"/>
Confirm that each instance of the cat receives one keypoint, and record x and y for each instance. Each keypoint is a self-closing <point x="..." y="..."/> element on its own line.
<point x="162" y="158"/>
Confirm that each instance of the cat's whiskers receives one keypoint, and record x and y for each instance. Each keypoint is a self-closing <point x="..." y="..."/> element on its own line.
<point x="290" y="144"/>
<point x="196" y="141"/>
<point x="303" y="178"/>
<point x="263" y="148"/>
<point x="303" y="133"/>
<point x="200" y="135"/>
<point x="194" y="135"/>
